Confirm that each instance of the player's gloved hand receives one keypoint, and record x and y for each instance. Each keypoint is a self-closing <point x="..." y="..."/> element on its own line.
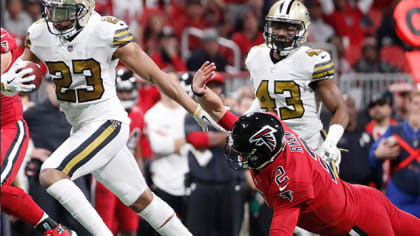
<point x="330" y="153"/>
<point x="13" y="82"/>
<point x="204" y="119"/>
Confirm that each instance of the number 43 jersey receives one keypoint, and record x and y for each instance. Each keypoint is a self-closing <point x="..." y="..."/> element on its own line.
<point x="284" y="87"/>
<point x="83" y="69"/>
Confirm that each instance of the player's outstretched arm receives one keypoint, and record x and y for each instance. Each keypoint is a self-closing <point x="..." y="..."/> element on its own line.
<point x="210" y="102"/>
<point x="284" y="221"/>
<point x="139" y="62"/>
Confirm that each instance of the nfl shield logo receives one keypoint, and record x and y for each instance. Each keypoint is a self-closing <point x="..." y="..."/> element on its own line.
<point x="70" y="48"/>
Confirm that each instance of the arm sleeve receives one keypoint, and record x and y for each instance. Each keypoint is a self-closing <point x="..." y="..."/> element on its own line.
<point x="284" y="221"/>
<point x="373" y="162"/>
<point x="323" y="67"/>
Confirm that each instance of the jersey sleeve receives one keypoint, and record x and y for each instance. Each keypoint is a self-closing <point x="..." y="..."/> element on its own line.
<point x="119" y="34"/>
<point x="8" y="43"/>
<point x="284" y="221"/>
<point x="323" y="65"/>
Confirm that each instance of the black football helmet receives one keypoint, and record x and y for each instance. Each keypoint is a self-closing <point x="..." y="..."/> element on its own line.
<point x="126" y="88"/>
<point x="255" y="140"/>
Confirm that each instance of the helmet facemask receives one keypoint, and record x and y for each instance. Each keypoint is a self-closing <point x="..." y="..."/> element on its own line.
<point x="58" y="14"/>
<point x="287" y="43"/>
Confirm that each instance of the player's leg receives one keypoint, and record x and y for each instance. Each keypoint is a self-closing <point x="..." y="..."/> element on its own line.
<point x="87" y="149"/>
<point x="106" y="206"/>
<point x="14" y="142"/>
<point x="123" y="177"/>
<point x="371" y="203"/>
<point x="403" y="223"/>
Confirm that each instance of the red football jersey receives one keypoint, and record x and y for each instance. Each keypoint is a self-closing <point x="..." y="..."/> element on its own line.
<point x="302" y="189"/>
<point x="11" y="107"/>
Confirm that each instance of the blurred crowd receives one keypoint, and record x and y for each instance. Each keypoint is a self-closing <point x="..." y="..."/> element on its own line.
<point x="187" y="167"/>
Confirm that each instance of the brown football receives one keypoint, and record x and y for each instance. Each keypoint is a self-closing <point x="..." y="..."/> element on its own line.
<point x="39" y="75"/>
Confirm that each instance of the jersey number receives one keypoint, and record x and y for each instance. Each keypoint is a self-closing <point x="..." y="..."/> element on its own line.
<point x="268" y="103"/>
<point x="89" y="68"/>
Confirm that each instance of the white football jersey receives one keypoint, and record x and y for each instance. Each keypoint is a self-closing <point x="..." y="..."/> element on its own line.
<point x="284" y="87"/>
<point x="83" y="69"/>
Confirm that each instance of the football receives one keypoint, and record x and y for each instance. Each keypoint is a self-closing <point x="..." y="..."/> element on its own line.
<point x="39" y="75"/>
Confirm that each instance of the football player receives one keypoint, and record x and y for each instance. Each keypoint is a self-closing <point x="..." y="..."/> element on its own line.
<point x="297" y="184"/>
<point x="14" y="142"/>
<point x="81" y="50"/>
<point x="291" y="80"/>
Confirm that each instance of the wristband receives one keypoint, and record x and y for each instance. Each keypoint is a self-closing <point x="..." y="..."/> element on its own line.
<point x="228" y="120"/>
<point x="195" y="93"/>
<point x="334" y="133"/>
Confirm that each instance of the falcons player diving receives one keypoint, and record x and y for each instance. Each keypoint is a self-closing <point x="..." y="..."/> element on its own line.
<point x="297" y="184"/>
<point x="14" y="142"/>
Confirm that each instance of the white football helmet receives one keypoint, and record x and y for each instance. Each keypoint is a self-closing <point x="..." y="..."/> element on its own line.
<point x="291" y="12"/>
<point x="77" y="12"/>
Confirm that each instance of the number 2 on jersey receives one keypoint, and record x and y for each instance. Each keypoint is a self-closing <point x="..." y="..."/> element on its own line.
<point x="62" y="85"/>
<point x="268" y="103"/>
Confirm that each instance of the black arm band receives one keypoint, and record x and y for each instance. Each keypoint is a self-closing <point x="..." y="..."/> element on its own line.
<point x="195" y="93"/>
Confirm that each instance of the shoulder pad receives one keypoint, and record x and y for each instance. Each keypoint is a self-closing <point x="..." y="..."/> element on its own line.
<point x="36" y="30"/>
<point x="322" y="64"/>
<point x="116" y="29"/>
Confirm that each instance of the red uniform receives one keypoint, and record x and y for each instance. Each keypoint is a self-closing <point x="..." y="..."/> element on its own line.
<point x="303" y="190"/>
<point x="114" y="213"/>
<point x="14" y="142"/>
<point x="14" y="132"/>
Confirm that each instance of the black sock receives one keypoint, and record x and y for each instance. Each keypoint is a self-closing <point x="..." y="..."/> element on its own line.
<point x="46" y="224"/>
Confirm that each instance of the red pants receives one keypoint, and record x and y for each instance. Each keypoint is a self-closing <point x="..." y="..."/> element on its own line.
<point x="115" y="214"/>
<point x="14" y="142"/>
<point x="378" y="216"/>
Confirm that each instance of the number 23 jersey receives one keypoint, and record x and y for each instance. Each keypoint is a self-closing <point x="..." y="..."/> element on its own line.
<point x="83" y="69"/>
<point x="284" y="87"/>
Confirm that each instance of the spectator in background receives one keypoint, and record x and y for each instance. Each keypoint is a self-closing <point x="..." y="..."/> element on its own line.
<point x="386" y="34"/>
<point x="354" y="166"/>
<point x="380" y="111"/>
<point x="231" y="102"/>
<point x="168" y="58"/>
<point x="248" y="35"/>
<point x="246" y="96"/>
<point x="319" y="30"/>
<point x="215" y="206"/>
<point x="342" y="65"/>
<point x="165" y="128"/>
<point x="33" y="8"/>
<point x="400" y="94"/>
<point x="153" y="26"/>
<point x="401" y="145"/>
<point x="208" y="52"/>
<point x="40" y="118"/>
<point x="344" y="16"/>
<point x="16" y="21"/>
<point x="370" y="62"/>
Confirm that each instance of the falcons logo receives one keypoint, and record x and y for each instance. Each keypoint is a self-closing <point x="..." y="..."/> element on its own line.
<point x="265" y="136"/>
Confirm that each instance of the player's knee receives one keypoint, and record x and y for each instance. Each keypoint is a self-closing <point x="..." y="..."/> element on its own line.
<point x="49" y="176"/>
<point x="143" y="201"/>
